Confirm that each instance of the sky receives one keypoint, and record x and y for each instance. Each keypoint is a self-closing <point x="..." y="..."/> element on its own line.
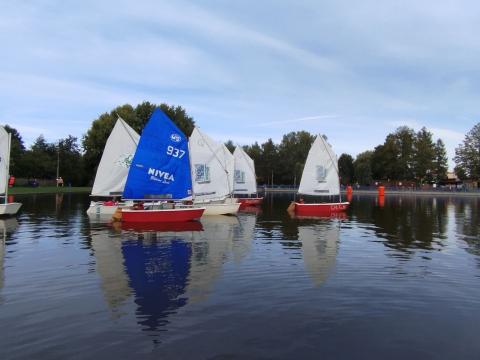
<point x="245" y="70"/>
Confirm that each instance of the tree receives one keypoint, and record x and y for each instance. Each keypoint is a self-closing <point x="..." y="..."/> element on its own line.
<point x="94" y="140"/>
<point x="293" y="151"/>
<point x="363" y="167"/>
<point x="395" y="157"/>
<point x="268" y="161"/>
<point x="230" y="146"/>
<point x="404" y="138"/>
<point x="384" y="163"/>
<point x="467" y="155"/>
<point x="41" y="160"/>
<point x="424" y="156"/>
<point x="70" y="161"/>
<point x="440" y="163"/>
<point x="346" y="169"/>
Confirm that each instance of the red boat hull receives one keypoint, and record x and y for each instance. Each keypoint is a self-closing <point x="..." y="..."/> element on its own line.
<point x="250" y="201"/>
<point x="320" y="209"/>
<point x="161" y="215"/>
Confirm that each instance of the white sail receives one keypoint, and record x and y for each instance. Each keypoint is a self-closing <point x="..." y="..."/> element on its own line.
<point x="116" y="158"/>
<point x="212" y="167"/>
<point x="4" y="159"/>
<point x="245" y="180"/>
<point x="320" y="174"/>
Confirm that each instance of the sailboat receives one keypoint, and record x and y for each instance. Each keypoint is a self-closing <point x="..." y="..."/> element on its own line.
<point x="212" y="175"/>
<point x="160" y="175"/>
<point x="320" y="178"/>
<point x="113" y="168"/>
<point x="5" y="143"/>
<point x="245" y="182"/>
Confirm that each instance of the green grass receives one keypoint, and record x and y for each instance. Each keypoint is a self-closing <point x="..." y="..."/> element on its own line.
<point x="19" y="190"/>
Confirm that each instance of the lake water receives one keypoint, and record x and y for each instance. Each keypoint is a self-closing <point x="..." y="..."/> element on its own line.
<point x="395" y="279"/>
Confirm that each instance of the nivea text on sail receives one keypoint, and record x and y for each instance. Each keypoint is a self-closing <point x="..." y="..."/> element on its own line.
<point x="160" y="174"/>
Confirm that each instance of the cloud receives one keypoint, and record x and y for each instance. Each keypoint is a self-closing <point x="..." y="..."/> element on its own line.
<point x="295" y="121"/>
<point x="246" y="67"/>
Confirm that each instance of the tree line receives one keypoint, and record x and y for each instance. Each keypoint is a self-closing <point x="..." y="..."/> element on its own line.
<point x="405" y="155"/>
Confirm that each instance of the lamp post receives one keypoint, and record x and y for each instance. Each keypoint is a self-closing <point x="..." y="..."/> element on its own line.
<point x="58" y="162"/>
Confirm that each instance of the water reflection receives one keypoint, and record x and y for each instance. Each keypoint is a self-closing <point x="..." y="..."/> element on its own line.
<point x="109" y="265"/>
<point x="165" y="267"/>
<point x="7" y="226"/>
<point x="406" y="223"/>
<point x="230" y="284"/>
<point x="467" y="224"/>
<point x="157" y="272"/>
<point x="319" y="248"/>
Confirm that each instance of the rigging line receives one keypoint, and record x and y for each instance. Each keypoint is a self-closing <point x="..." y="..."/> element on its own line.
<point x="330" y="156"/>
<point x="335" y="165"/>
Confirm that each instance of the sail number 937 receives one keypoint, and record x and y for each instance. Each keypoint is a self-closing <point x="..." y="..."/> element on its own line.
<point x="173" y="151"/>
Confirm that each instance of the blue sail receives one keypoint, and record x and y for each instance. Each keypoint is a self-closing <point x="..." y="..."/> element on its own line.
<point x="160" y="168"/>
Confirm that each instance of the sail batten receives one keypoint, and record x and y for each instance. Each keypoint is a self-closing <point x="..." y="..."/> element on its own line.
<point x="160" y="168"/>
<point x="320" y="174"/>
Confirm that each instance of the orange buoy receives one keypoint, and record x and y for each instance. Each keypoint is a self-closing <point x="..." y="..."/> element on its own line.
<point x="349" y="190"/>
<point x="349" y="197"/>
<point x="381" y="201"/>
<point x="381" y="190"/>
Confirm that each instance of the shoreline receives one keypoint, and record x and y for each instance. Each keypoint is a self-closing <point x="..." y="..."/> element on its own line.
<point x="84" y="189"/>
<point x="21" y="190"/>
<point x="389" y="192"/>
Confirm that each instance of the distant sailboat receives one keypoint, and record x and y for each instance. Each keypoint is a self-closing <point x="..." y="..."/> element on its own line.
<point x="212" y="175"/>
<point x="320" y="178"/>
<point x="245" y="180"/>
<point x="160" y="175"/>
<point x="5" y="143"/>
<point x="113" y="168"/>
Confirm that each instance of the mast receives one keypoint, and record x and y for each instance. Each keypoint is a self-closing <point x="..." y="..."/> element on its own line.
<point x="191" y="168"/>
<point x="8" y="167"/>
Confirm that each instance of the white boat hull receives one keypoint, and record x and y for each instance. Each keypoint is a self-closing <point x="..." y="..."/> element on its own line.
<point x="10" y="208"/>
<point x="98" y="208"/>
<point x="219" y="209"/>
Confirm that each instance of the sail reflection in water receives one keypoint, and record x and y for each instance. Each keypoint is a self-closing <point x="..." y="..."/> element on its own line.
<point x="166" y="268"/>
<point x="107" y="248"/>
<point x="7" y="226"/>
<point x="158" y="272"/>
<point x="319" y="247"/>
